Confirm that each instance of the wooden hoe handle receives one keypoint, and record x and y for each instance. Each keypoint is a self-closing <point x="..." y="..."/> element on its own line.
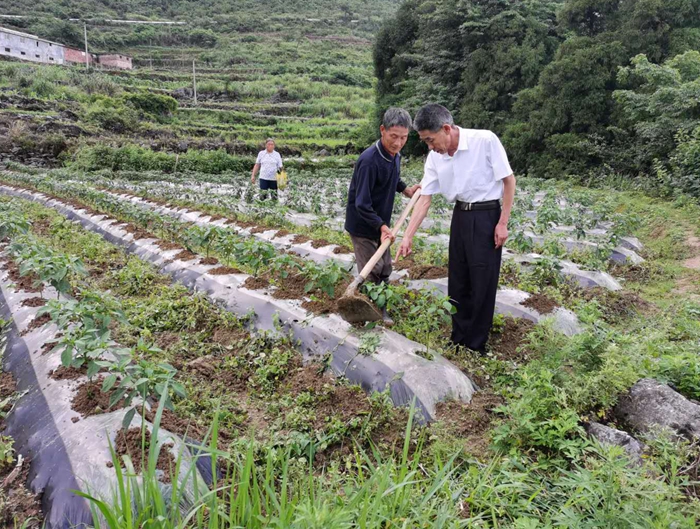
<point x="395" y="231"/>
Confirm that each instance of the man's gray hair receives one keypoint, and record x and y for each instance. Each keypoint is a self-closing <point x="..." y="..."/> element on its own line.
<point x="432" y="117"/>
<point x="396" y="117"/>
<point x="268" y="140"/>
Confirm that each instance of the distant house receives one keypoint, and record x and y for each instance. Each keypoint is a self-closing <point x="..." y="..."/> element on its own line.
<point x="28" y="47"/>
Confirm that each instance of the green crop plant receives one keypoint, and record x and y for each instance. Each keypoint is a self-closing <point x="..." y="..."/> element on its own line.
<point x="324" y="276"/>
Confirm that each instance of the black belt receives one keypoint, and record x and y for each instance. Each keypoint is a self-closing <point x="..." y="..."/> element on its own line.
<point x="478" y="206"/>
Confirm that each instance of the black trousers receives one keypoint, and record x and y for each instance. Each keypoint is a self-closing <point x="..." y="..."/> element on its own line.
<point x="473" y="270"/>
<point x="268" y="187"/>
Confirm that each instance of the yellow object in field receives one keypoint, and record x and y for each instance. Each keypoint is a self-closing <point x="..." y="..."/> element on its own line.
<point x="282" y="179"/>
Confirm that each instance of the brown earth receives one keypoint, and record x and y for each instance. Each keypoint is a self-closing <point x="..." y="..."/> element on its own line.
<point x="693" y="262"/>
<point x="509" y="344"/>
<point x="166" y="339"/>
<point x="228" y="337"/>
<point x="90" y="400"/>
<point x="177" y="425"/>
<point x="282" y="233"/>
<point x="618" y="305"/>
<point x="300" y="239"/>
<point x="7" y="385"/>
<point x="137" y="232"/>
<point x="68" y="373"/>
<point x="209" y="261"/>
<point x="185" y="255"/>
<point x="36" y="323"/>
<point x="291" y="287"/>
<point x="470" y="422"/>
<point x="224" y="270"/>
<point x="18" y="506"/>
<point x="256" y="283"/>
<point x="320" y="243"/>
<point x="427" y="272"/>
<point x="33" y="302"/>
<point x="342" y="249"/>
<point x="167" y="245"/>
<point x="541" y="303"/>
<point x="133" y="444"/>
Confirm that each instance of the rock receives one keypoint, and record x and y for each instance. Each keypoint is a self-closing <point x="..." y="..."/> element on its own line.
<point x="610" y="436"/>
<point x="204" y="365"/>
<point x="650" y="406"/>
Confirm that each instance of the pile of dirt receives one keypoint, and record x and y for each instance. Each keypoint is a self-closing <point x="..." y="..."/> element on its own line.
<point x="300" y="239"/>
<point x="227" y="337"/>
<point x="470" y="422"/>
<point x="36" y="323"/>
<point x="618" y="305"/>
<point x="320" y="243"/>
<point x="541" y="303"/>
<point x="185" y="255"/>
<point x="508" y="344"/>
<point x="7" y="385"/>
<point x="90" y="400"/>
<point x="138" y="233"/>
<point x="224" y="270"/>
<point x="136" y="445"/>
<point x="167" y="245"/>
<point x="209" y="261"/>
<point x="177" y="425"/>
<point x="427" y="272"/>
<point x="291" y="287"/>
<point x="282" y="233"/>
<point x="342" y="249"/>
<point x="256" y="283"/>
<point x="166" y="339"/>
<point x="18" y="506"/>
<point x="34" y="302"/>
<point x="68" y="373"/>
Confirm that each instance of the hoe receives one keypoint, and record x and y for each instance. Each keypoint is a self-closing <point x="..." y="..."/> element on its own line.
<point x="355" y="307"/>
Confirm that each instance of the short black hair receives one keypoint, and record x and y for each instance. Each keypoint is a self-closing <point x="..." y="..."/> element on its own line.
<point x="432" y="117"/>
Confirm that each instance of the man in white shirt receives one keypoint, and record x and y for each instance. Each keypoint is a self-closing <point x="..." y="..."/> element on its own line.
<point x="468" y="167"/>
<point x="269" y="162"/>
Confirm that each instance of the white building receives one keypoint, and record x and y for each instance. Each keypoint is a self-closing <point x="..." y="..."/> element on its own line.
<point x="30" y="47"/>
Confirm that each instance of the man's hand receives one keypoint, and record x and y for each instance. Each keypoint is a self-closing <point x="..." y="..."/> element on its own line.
<point x="409" y="191"/>
<point x="404" y="248"/>
<point x="252" y="179"/>
<point x="386" y="234"/>
<point x="500" y="235"/>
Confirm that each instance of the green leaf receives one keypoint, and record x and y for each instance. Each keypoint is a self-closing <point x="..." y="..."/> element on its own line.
<point x="128" y="418"/>
<point x="108" y="383"/>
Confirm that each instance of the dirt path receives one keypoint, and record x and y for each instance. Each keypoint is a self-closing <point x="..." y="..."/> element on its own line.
<point x="693" y="262"/>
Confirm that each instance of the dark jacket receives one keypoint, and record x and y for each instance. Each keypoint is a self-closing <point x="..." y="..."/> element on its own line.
<point x="375" y="181"/>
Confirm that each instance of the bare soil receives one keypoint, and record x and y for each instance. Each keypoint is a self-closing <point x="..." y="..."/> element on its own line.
<point x="320" y="243"/>
<point x="541" y="303"/>
<point x="300" y="239"/>
<point x="341" y="249"/>
<point x="167" y="245"/>
<point x="20" y="508"/>
<point x="166" y="339"/>
<point x="209" y="261"/>
<point x="427" y="272"/>
<point x="90" y="400"/>
<point x="292" y="287"/>
<point x="256" y="283"/>
<point x="36" y="323"/>
<point x="133" y="444"/>
<point x="7" y="385"/>
<point x="509" y="345"/>
<point x="693" y="262"/>
<point x="185" y="255"/>
<point x="470" y="422"/>
<point x="224" y="270"/>
<point x="34" y="302"/>
<point x="68" y="373"/>
<point x="26" y="282"/>
<point x="282" y="233"/>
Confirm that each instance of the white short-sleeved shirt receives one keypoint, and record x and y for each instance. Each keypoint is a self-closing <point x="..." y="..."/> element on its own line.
<point x="474" y="174"/>
<point x="270" y="163"/>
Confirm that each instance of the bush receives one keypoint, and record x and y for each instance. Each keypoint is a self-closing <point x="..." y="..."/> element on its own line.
<point x="156" y="104"/>
<point x="112" y="115"/>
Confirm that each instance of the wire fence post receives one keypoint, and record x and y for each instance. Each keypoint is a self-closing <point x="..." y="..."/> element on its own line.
<point x="194" y="81"/>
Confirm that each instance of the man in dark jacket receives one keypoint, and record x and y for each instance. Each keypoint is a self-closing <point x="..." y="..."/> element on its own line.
<point x="375" y="181"/>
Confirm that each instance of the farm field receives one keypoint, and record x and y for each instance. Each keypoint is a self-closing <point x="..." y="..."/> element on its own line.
<point x="290" y="256"/>
<point x="172" y="351"/>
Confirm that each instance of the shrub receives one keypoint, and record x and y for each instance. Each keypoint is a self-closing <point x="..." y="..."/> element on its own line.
<point x="156" y="104"/>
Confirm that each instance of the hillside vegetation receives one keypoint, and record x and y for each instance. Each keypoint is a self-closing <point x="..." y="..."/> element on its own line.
<point x="580" y="87"/>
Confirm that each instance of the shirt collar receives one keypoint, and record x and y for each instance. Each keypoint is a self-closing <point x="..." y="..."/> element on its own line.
<point x="461" y="146"/>
<point x="384" y="153"/>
